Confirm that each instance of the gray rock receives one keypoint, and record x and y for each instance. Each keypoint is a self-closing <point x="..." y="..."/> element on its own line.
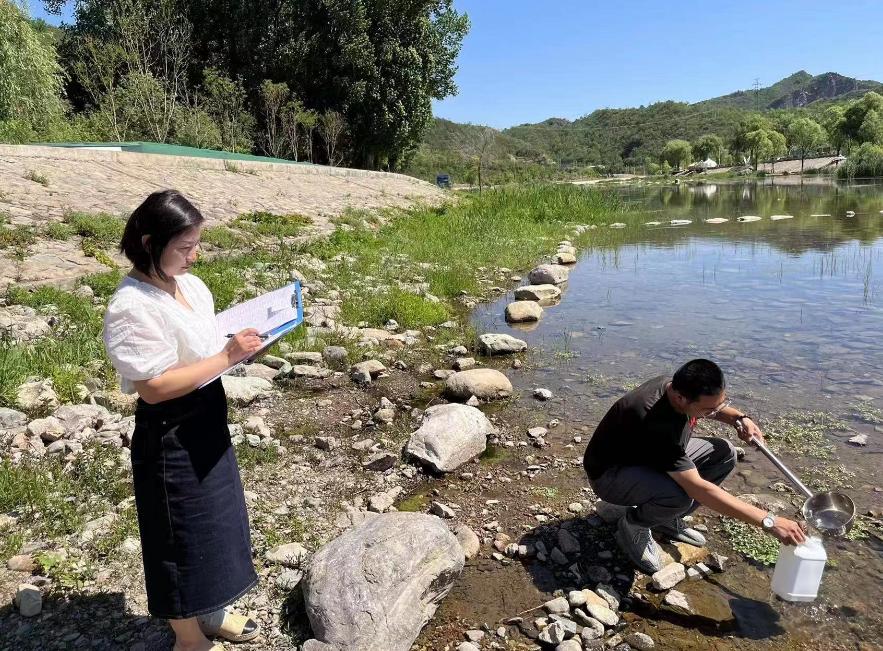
<point x="256" y="425"/>
<point x="564" y="257"/>
<point x="500" y="344"/>
<point x="669" y="576"/>
<point x="381" y="461"/>
<point x="542" y="394"/>
<point x="468" y="540"/>
<point x="306" y="357"/>
<point x="29" y="600"/>
<point x="548" y="274"/>
<point x="336" y="357"/>
<point x="49" y="429"/>
<point x="382" y="502"/>
<point x="717" y="562"/>
<point x="289" y="580"/>
<point x="22" y="324"/>
<point x="384" y="415"/>
<point x="262" y="371"/>
<point x="474" y="635"/>
<point x="291" y="555"/>
<point x="570" y="626"/>
<point x="602" y="613"/>
<point x="598" y="574"/>
<point x="309" y="371"/>
<point x="467" y="646"/>
<point x="326" y="442"/>
<point x="21" y="563"/>
<point x="37" y="396"/>
<point x="442" y="510"/>
<point x="10" y="418"/>
<point x="557" y="606"/>
<point x="276" y="362"/>
<point x="592" y="629"/>
<point x="523" y="312"/>
<point x="640" y="641"/>
<point x="540" y="293"/>
<point x="76" y="418"/>
<point x="449" y="436"/>
<point x="378" y="584"/>
<point x="569" y="645"/>
<point x="553" y="634"/>
<point x="242" y="391"/>
<point x="483" y="383"/>
<point x="364" y="372"/>
<point x="678" y="602"/>
<point x="463" y="363"/>
<point x="568" y="542"/>
<point x="608" y="594"/>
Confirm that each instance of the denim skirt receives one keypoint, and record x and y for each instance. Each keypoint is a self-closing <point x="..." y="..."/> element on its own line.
<point x="191" y="507"/>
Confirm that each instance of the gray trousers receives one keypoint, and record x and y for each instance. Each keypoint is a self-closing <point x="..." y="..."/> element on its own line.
<point x="657" y="496"/>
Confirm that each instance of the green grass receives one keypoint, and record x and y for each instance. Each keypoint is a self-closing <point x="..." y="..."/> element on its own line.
<point x="751" y="542"/>
<point x="268" y="224"/>
<point x="17" y="237"/>
<point x="103" y="284"/>
<point x="104" y="229"/>
<point x="59" y="231"/>
<point x="222" y="237"/>
<point x="36" y="177"/>
<point x="250" y="457"/>
<point x="408" y="309"/>
<point x="74" y="352"/>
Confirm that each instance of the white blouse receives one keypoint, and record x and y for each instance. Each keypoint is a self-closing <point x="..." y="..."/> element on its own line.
<point x="147" y="331"/>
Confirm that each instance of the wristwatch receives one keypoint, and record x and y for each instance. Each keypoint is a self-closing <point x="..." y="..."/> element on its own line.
<point x="739" y="419"/>
<point x="769" y="521"/>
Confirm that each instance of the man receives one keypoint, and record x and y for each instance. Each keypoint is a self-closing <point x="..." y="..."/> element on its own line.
<point x="643" y="456"/>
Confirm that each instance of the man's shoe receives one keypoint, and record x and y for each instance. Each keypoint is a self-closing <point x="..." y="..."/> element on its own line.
<point x="638" y="545"/>
<point x="677" y="530"/>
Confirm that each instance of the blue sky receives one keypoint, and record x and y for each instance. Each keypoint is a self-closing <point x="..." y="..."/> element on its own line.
<point x="526" y="60"/>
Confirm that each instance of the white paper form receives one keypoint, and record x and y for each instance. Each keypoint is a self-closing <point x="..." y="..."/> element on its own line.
<point x="273" y="315"/>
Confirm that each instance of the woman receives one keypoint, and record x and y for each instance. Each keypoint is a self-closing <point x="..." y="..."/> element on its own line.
<point x="161" y="335"/>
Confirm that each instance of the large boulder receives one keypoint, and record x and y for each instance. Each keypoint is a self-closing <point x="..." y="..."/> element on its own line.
<point x="22" y="324"/>
<point x="243" y="390"/>
<point x="548" y="274"/>
<point x="521" y="311"/>
<point x="10" y="418"/>
<point x="37" y="396"/>
<point x="76" y="418"/>
<point x="483" y="383"/>
<point x="540" y="293"/>
<point x="498" y="344"/>
<point x="378" y="584"/>
<point x="449" y="436"/>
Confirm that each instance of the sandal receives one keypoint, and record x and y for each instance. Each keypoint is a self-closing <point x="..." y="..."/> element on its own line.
<point x="231" y="627"/>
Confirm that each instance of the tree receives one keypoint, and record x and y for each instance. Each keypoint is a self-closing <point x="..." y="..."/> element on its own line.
<point x="273" y="97"/>
<point x="709" y="145"/>
<point x="308" y="120"/>
<point x="777" y="147"/>
<point x="855" y="114"/>
<point x="677" y="152"/>
<point x="291" y="124"/>
<point x="30" y="75"/>
<point x="741" y="144"/>
<point x="475" y="144"/>
<point x="805" y="135"/>
<point x="871" y="129"/>
<point x="225" y="102"/>
<point x="331" y="128"/>
<point x="833" y="121"/>
<point x="758" y="145"/>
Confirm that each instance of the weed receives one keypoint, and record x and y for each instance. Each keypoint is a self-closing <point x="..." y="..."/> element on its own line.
<point x="548" y="492"/>
<point x="102" y="228"/>
<point x="804" y="433"/>
<point x="222" y="237"/>
<point x="413" y="504"/>
<point x="18" y="237"/>
<point x="267" y="224"/>
<point x="867" y="412"/>
<point x="37" y="177"/>
<point x="59" y="231"/>
<point x="104" y="284"/>
<point x="408" y="309"/>
<point x="250" y="457"/>
<point x="751" y="542"/>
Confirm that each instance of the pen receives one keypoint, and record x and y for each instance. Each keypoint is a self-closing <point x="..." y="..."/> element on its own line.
<point x="262" y="337"/>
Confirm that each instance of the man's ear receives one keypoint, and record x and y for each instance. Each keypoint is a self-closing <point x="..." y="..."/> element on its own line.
<point x="144" y="240"/>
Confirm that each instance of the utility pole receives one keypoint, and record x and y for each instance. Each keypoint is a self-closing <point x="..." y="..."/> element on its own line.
<point x="756" y="94"/>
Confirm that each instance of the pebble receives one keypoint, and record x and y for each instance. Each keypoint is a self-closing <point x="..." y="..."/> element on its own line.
<point x="475" y="635"/>
<point x="289" y="580"/>
<point x="669" y="576"/>
<point x="575" y="507"/>
<point x="569" y="645"/>
<point x="553" y="634"/>
<point x="467" y="646"/>
<point x="21" y="563"/>
<point x="542" y="394"/>
<point x="29" y="600"/>
<point x="557" y="606"/>
<point x="442" y="510"/>
<point x="640" y="641"/>
<point x="603" y="614"/>
<point x="678" y="601"/>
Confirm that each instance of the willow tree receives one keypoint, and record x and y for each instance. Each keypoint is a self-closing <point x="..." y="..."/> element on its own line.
<point x="805" y="135"/>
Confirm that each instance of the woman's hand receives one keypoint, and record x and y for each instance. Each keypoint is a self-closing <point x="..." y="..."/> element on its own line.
<point x="243" y="345"/>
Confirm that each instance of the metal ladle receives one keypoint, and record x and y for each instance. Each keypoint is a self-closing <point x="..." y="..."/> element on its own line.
<point x="832" y="513"/>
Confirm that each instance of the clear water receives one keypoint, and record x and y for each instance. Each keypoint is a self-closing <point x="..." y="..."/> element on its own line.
<point x="791" y="309"/>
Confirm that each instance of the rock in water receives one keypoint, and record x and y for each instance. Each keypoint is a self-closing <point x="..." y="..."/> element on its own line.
<point x="523" y="311"/>
<point x="640" y="641"/>
<point x="376" y="586"/>
<point x="548" y="274"/>
<point x="483" y="383"/>
<point x="499" y="344"/>
<point x="449" y="436"/>
<point x="539" y="293"/>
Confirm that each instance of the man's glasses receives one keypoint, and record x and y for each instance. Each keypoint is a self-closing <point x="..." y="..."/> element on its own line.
<point x="714" y="412"/>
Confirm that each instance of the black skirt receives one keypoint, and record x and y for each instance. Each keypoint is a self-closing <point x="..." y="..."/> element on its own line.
<point x="191" y="507"/>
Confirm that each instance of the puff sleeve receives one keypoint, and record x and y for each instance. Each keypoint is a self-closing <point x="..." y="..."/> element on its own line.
<point x="137" y="341"/>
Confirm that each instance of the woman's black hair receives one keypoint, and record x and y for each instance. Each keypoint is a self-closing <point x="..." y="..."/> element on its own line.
<point x="697" y="378"/>
<point x="162" y="216"/>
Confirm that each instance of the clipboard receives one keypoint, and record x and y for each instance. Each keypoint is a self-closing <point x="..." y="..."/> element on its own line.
<point x="273" y="314"/>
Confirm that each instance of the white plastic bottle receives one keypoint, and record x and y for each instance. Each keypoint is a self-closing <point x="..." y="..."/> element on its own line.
<point x="799" y="570"/>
